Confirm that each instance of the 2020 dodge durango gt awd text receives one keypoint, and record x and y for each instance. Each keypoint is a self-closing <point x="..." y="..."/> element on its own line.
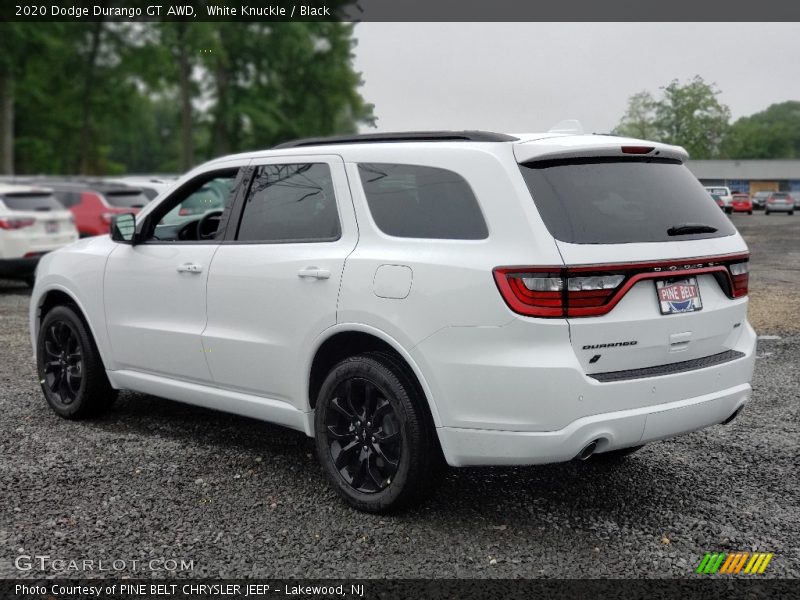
<point x="417" y="300"/>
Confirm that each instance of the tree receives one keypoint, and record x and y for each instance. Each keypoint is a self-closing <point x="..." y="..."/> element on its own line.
<point x="687" y="115"/>
<point x="639" y="118"/>
<point x="691" y="116"/>
<point x="771" y="133"/>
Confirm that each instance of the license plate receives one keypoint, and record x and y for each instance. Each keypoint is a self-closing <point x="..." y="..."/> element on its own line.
<point x="51" y="227"/>
<point x="679" y="295"/>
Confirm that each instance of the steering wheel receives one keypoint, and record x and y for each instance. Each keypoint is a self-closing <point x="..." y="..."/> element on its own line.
<point x="205" y="229"/>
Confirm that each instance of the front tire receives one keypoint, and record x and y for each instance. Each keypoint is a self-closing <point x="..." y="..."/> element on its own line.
<point x="374" y="437"/>
<point x="70" y="370"/>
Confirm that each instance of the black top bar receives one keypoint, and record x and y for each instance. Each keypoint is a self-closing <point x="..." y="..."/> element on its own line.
<point x="403" y="136"/>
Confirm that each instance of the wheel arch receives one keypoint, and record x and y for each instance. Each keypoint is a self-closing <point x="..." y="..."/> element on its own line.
<point x="61" y="296"/>
<point x="348" y="339"/>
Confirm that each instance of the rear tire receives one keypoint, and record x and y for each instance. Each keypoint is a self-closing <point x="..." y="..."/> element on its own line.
<point x="766" y="212"/>
<point x="791" y="212"/>
<point x="749" y="212"/>
<point x="374" y="437"/>
<point x="70" y="370"/>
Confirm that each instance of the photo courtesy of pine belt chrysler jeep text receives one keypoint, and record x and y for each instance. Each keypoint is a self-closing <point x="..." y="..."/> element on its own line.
<point x="416" y="300"/>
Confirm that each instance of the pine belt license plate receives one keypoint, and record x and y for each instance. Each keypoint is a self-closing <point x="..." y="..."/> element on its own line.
<point x="678" y="295"/>
<point x="51" y="227"/>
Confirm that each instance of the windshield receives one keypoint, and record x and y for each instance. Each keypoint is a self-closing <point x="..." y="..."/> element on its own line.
<point x="609" y="200"/>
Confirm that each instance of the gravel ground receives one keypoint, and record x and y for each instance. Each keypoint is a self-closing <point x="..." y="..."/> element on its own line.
<point x="155" y="479"/>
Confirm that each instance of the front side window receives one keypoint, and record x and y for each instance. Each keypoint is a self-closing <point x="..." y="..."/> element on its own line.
<point x="413" y="201"/>
<point x="290" y="203"/>
<point x="194" y="212"/>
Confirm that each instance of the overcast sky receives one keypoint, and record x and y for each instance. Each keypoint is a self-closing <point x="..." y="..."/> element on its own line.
<point x="518" y="77"/>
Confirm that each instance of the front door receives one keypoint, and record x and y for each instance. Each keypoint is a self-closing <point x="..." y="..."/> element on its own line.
<point x="155" y="291"/>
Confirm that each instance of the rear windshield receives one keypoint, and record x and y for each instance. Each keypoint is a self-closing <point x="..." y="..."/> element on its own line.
<point x="31" y="201"/>
<point x="611" y="200"/>
<point x="126" y="198"/>
<point x="780" y="195"/>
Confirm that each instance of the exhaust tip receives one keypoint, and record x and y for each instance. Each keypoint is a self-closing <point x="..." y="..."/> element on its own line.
<point x="587" y="451"/>
<point x="732" y="417"/>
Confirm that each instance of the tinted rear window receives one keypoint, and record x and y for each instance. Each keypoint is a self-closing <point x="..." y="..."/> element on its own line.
<point x="780" y="195"/>
<point x="31" y="201"/>
<point x="422" y="202"/>
<point x="126" y="199"/>
<point x="718" y="191"/>
<point x="616" y="201"/>
<point x="291" y="203"/>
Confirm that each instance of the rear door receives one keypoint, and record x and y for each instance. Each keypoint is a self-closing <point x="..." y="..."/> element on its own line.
<point x="273" y="286"/>
<point x="650" y="237"/>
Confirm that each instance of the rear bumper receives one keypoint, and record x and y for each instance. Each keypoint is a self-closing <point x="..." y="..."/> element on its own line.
<point x="779" y="207"/>
<point x="464" y="447"/>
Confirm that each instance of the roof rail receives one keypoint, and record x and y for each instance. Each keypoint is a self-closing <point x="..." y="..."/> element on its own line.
<point x="403" y="136"/>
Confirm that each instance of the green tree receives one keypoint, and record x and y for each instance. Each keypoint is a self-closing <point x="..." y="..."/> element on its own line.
<point x="691" y="116"/>
<point x="771" y="133"/>
<point x="687" y="115"/>
<point x="639" y="118"/>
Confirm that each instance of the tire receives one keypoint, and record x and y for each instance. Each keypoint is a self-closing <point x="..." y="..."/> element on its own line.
<point x="71" y="373"/>
<point x="749" y="212"/>
<point x="791" y="212"/>
<point x="382" y="467"/>
<point x="766" y="212"/>
<point x="29" y="281"/>
<point x="615" y="455"/>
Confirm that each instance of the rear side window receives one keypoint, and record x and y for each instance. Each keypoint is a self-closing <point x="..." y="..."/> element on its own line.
<point x="31" y="201"/>
<point x="421" y="202"/>
<point x="617" y="201"/>
<point x="126" y="199"/>
<point x="291" y="203"/>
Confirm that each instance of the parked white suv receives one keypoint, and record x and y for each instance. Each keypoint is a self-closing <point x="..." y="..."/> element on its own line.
<point x="32" y="222"/>
<point x="724" y="194"/>
<point x="415" y="300"/>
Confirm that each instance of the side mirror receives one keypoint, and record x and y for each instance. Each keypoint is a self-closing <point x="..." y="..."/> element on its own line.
<point x="123" y="228"/>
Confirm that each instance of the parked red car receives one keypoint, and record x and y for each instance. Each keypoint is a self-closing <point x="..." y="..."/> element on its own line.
<point x="742" y="203"/>
<point x="93" y="203"/>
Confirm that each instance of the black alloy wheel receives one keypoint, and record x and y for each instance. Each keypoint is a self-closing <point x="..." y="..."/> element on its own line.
<point x="63" y="367"/>
<point x="363" y="432"/>
<point x="374" y="435"/>
<point x="70" y="369"/>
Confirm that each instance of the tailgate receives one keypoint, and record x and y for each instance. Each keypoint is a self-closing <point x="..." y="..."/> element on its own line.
<point x="645" y="329"/>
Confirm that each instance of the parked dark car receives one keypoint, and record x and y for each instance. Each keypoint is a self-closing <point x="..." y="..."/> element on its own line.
<point x="760" y="199"/>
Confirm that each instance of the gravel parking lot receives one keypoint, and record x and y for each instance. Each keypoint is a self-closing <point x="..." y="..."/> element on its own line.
<point x="155" y="479"/>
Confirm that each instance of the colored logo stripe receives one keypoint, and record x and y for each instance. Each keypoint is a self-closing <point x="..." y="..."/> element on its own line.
<point x="722" y="562"/>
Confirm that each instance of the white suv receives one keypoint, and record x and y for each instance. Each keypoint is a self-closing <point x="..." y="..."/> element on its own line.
<point x="415" y="300"/>
<point x="32" y="222"/>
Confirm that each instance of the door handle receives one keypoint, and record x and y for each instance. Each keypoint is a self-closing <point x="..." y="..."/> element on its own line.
<point x="314" y="272"/>
<point x="190" y="268"/>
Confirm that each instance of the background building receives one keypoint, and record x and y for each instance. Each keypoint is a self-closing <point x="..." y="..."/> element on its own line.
<point x="749" y="175"/>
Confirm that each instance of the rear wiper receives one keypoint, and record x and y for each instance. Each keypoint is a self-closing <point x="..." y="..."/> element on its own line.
<point x="687" y="228"/>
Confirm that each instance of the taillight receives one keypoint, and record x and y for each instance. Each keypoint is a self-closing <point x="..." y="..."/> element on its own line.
<point x="740" y="277"/>
<point x="637" y="149"/>
<point x="593" y="290"/>
<point x="11" y="223"/>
